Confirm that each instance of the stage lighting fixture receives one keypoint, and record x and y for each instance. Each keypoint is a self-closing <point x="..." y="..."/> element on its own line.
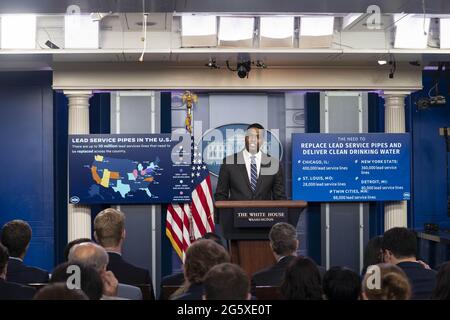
<point x="212" y="64"/>
<point x="243" y="69"/>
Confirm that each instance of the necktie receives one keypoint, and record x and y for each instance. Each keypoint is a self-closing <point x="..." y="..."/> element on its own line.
<point x="253" y="173"/>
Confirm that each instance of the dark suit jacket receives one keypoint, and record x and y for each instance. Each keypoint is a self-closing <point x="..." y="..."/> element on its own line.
<point x="127" y="273"/>
<point x="176" y="279"/>
<point x="15" y="291"/>
<point x="423" y="281"/>
<point x="19" y="272"/>
<point x="273" y="276"/>
<point x="234" y="184"/>
<point x="194" y="292"/>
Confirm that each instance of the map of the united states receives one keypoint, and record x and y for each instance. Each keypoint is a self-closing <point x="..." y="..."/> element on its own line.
<point x="123" y="176"/>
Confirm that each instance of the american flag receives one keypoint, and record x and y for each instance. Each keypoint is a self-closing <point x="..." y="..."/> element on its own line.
<point x="187" y="222"/>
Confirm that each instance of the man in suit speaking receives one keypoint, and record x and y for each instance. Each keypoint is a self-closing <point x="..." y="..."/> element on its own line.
<point x="251" y="174"/>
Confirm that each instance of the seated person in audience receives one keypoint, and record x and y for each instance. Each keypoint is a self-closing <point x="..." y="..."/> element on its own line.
<point x="400" y="248"/>
<point x="393" y="283"/>
<point x="91" y="282"/>
<point x="284" y="244"/>
<point x="177" y="279"/>
<point x="442" y="290"/>
<point x="16" y="237"/>
<point x="226" y="281"/>
<point x="201" y="256"/>
<point x="373" y="253"/>
<point x="59" y="291"/>
<point x="73" y="243"/>
<point x="95" y="256"/>
<point x="109" y="232"/>
<point x="342" y="284"/>
<point x="11" y="290"/>
<point x="214" y="237"/>
<point x="302" y="280"/>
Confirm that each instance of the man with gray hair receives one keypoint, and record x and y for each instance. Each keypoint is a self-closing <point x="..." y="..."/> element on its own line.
<point x="284" y="244"/>
<point x="95" y="256"/>
<point x="110" y="233"/>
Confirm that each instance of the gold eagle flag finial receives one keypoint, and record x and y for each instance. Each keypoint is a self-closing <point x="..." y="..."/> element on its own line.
<point x="189" y="99"/>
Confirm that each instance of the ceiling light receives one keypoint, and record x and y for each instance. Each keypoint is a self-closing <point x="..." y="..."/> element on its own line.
<point x="235" y="29"/>
<point x="198" y="25"/>
<point x="382" y="62"/>
<point x="81" y="32"/>
<point x="316" y="26"/>
<point x="18" y="31"/>
<point x="277" y="27"/>
<point x="444" y="33"/>
<point x="411" y="32"/>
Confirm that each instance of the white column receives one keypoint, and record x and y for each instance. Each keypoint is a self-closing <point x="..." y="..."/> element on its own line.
<point x="395" y="212"/>
<point x="78" y="216"/>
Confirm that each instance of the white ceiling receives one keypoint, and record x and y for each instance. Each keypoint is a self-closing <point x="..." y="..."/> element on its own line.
<point x="232" y="6"/>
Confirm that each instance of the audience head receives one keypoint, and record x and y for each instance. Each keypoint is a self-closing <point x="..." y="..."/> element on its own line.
<point x="59" y="291"/>
<point x="4" y="256"/>
<point x="16" y="236"/>
<point x="71" y="244"/>
<point x="340" y="283"/>
<point x="442" y="290"/>
<point x="90" y="280"/>
<point x="90" y="254"/>
<point x="226" y="281"/>
<point x="373" y="253"/>
<point x="399" y="244"/>
<point x="283" y="239"/>
<point x="302" y="280"/>
<point x="386" y="282"/>
<point x="201" y="256"/>
<point x="109" y="228"/>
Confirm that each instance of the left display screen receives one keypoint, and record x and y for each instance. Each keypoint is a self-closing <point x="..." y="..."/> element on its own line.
<point x="129" y="168"/>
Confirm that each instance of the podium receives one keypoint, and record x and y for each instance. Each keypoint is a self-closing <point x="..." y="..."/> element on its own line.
<point x="246" y="226"/>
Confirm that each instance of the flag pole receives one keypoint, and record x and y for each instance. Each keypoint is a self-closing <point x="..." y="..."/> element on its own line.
<point x="189" y="99"/>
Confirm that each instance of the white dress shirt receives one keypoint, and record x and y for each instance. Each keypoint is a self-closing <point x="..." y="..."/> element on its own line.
<point x="248" y="160"/>
<point x="15" y="258"/>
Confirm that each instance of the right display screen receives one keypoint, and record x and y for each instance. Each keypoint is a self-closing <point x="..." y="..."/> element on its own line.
<point x="351" y="167"/>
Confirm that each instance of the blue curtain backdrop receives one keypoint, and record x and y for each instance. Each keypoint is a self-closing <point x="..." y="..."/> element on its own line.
<point x="26" y="161"/>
